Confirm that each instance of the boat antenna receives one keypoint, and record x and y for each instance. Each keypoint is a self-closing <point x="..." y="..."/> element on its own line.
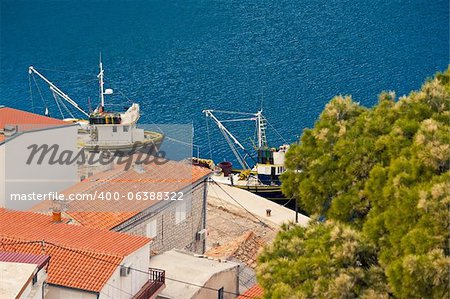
<point x="262" y="98"/>
<point x="100" y="77"/>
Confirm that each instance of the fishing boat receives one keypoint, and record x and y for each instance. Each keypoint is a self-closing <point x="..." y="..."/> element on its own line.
<point x="260" y="176"/>
<point x="103" y="130"/>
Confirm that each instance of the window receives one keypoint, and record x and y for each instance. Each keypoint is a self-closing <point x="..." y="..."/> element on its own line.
<point x="114" y="129"/>
<point x="125" y="128"/>
<point x="180" y="212"/>
<point x="152" y="229"/>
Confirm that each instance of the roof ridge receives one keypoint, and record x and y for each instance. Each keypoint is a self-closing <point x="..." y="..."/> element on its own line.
<point x="55" y="244"/>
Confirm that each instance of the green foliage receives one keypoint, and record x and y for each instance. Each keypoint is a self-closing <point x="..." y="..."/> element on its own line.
<point x="325" y="260"/>
<point x="382" y="176"/>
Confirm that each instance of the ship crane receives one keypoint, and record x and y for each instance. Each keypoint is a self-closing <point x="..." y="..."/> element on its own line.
<point x="56" y="90"/>
<point x="232" y="140"/>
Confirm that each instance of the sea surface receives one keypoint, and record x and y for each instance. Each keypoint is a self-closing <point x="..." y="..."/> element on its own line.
<point x="177" y="58"/>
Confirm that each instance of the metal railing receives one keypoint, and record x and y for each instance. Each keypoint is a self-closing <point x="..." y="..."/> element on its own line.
<point x="157" y="279"/>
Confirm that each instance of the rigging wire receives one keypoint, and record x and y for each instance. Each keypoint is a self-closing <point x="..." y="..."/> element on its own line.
<point x="120" y="92"/>
<point x="276" y="131"/>
<point x="68" y="72"/>
<point x="253" y="215"/>
<point x="40" y="93"/>
<point x="234" y="150"/>
<point x="57" y="103"/>
<point x="31" y="93"/>
<point x="65" y="106"/>
<point x="233" y="112"/>
<point x="209" y="138"/>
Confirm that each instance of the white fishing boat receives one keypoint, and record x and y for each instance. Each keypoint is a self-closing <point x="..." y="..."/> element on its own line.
<point x="103" y="129"/>
<point x="262" y="174"/>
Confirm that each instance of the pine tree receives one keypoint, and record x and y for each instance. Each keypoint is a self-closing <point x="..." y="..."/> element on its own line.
<point x="379" y="181"/>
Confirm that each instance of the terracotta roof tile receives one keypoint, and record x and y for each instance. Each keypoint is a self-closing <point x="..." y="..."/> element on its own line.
<point x="254" y="292"/>
<point x="26" y="121"/>
<point x="170" y="177"/>
<point x="81" y="257"/>
<point x="245" y="248"/>
<point x="11" y="116"/>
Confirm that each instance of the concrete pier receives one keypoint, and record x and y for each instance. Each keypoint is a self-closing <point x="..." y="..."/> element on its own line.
<point x="255" y="204"/>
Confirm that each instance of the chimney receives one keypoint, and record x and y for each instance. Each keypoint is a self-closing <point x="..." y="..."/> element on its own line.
<point x="56" y="213"/>
<point x="56" y="216"/>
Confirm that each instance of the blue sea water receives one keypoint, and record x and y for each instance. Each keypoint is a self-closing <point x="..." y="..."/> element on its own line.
<point x="177" y="58"/>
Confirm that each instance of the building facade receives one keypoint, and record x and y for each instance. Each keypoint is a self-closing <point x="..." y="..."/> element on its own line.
<point x="85" y="262"/>
<point x="21" y="172"/>
<point x="23" y="275"/>
<point x="178" y="222"/>
<point x="173" y="224"/>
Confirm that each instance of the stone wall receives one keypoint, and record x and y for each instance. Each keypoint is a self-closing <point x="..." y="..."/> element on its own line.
<point x="170" y="233"/>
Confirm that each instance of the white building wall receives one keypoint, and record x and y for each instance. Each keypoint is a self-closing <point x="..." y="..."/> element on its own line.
<point x="107" y="135"/>
<point x="227" y="279"/>
<point x="18" y="177"/>
<point x="59" y="292"/>
<point x="38" y="290"/>
<point x="116" y="287"/>
<point x="125" y="287"/>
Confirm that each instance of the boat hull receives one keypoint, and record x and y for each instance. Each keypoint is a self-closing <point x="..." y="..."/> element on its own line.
<point x="268" y="192"/>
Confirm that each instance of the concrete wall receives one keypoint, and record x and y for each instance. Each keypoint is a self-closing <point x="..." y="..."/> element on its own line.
<point x="58" y="292"/>
<point x="38" y="290"/>
<point x="169" y="233"/>
<point x="23" y="178"/>
<point x="227" y="279"/>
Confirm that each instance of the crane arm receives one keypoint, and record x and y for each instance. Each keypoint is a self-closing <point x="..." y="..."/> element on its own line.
<point x="54" y="88"/>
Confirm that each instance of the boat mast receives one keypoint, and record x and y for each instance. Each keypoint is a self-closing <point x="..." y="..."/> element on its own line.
<point x="261" y="127"/>
<point x="100" y="77"/>
<point x="55" y="89"/>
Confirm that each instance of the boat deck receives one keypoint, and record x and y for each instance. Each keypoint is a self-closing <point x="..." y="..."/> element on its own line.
<point x="84" y="140"/>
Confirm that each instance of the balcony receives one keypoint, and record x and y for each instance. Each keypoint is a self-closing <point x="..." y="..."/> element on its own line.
<point x="156" y="281"/>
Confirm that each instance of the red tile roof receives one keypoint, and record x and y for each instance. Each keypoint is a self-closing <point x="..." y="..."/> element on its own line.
<point x="81" y="257"/>
<point x="14" y="257"/>
<point x="11" y="116"/>
<point x="170" y="177"/>
<point x="26" y="121"/>
<point x="245" y="248"/>
<point x="254" y="292"/>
